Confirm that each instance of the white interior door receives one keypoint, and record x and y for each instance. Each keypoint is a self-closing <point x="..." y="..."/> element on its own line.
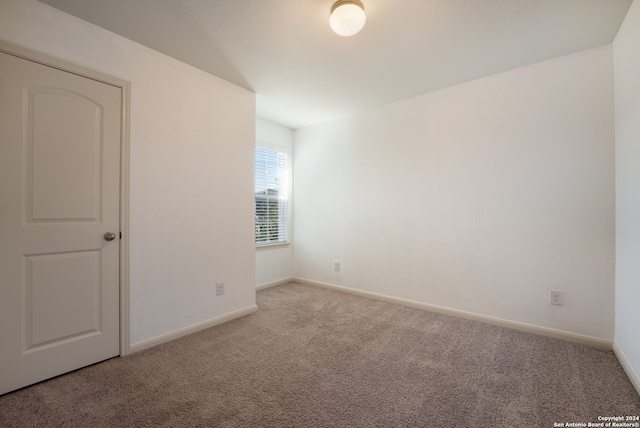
<point x="60" y="137"/>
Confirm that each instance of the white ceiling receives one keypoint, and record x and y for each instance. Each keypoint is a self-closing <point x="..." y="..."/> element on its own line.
<point x="303" y="73"/>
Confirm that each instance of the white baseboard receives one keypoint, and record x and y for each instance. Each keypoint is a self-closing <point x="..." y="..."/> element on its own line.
<point x="529" y="328"/>
<point x="626" y="365"/>
<point x="145" y="344"/>
<point x="273" y="283"/>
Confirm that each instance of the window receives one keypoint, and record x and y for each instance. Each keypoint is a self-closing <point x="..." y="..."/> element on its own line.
<point x="271" y="191"/>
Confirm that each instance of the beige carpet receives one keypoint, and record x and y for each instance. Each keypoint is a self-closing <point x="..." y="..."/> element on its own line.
<point x="317" y="358"/>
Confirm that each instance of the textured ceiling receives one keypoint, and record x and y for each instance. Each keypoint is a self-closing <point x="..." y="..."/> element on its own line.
<point x="303" y="73"/>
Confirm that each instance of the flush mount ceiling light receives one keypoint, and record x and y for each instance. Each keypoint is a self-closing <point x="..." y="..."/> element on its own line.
<point x="347" y="17"/>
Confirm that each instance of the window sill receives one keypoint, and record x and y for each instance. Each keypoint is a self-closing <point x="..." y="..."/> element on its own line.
<point x="272" y="246"/>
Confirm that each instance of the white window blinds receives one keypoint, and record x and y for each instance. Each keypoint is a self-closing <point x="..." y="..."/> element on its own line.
<point x="271" y="192"/>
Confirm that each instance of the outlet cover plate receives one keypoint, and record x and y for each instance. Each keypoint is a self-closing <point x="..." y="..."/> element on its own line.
<point x="555" y="297"/>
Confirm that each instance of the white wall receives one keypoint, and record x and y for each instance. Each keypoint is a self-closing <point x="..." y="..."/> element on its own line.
<point x="192" y="144"/>
<point x="274" y="263"/>
<point x="479" y="197"/>
<point x="627" y="91"/>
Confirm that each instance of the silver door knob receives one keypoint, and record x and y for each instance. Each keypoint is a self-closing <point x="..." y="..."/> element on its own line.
<point x="109" y="236"/>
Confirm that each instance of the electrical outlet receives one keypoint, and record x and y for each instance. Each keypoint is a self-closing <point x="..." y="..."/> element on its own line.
<point x="555" y="297"/>
<point x="336" y="266"/>
<point x="219" y="288"/>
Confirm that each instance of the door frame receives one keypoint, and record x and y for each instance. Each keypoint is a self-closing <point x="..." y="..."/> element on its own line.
<point x="38" y="57"/>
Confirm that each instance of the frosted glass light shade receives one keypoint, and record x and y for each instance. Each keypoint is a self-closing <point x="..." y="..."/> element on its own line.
<point x="347" y="17"/>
